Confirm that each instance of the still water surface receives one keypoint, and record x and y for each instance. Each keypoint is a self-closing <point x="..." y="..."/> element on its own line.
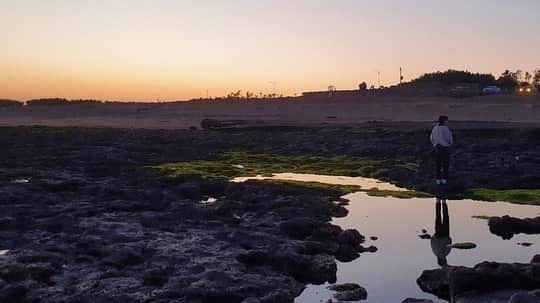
<point x="390" y="274"/>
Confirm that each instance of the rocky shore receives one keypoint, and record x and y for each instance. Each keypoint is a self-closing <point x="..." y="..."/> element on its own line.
<point x="485" y="282"/>
<point x="148" y="241"/>
<point x="83" y="220"/>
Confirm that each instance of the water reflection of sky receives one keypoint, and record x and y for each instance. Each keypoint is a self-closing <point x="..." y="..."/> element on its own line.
<point x="390" y="274"/>
<point x="364" y="183"/>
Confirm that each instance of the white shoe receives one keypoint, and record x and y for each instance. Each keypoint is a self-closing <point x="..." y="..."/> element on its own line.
<point x="438" y="181"/>
<point x="443" y="181"/>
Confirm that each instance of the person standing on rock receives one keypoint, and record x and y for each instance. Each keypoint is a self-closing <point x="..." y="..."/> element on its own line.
<point x="442" y="139"/>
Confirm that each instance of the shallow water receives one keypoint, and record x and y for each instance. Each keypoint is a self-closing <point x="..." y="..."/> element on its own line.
<point x="364" y="183"/>
<point x="390" y="274"/>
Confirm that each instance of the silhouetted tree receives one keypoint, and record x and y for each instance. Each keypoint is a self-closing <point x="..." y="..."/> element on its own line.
<point x="536" y="77"/>
<point x="509" y="80"/>
<point x="453" y="77"/>
<point x="519" y="75"/>
<point x="528" y="77"/>
<point x="61" y="101"/>
<point x="362" y="86"/>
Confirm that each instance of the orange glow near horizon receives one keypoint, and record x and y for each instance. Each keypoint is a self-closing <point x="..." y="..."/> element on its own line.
<point x="175" y="50"/>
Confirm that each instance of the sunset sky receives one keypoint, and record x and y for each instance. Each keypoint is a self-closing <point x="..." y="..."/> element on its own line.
<point x="174" y="50"/>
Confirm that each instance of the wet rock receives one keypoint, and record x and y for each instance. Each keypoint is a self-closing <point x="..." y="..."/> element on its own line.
<point x="155" y="277"/>
<point x="298" y="228"/>
<point x="13" y="293"/>
<point x="483" y="278"/>
<point x="315" y="248"/>
<point x="501" y="296"/>
<point x="190" y="190"/>
<point x="338" y="211"/>
<point x="277" y="296"/>
<point x="62" y="185"/>
<point x="325" y="233"/>
<point x="347" y="253"/>
<point x="425" y="236"/>
<point x="506" y="227"/>
<point x="464" y="245"/>
<point x="349" y="292"/>
<point x="41" y="272"/>
<point x="344" y="287"/>
<point x="213" y="286"/>
<point x="124" y="256"/>
<point x="526" y="244"/>
<point x="343" y="202"/>
<point x="369" y="249"/>
<point x="7" y="223"/>
<point x="350" y="237"/>
<point x="13" y="273"/>
<point x="373" y="238"/>
<point x="531" y="297"/>
<point x="307" y="269"/>
<point x="119" y="286"/>
<point x="536" y="259"/>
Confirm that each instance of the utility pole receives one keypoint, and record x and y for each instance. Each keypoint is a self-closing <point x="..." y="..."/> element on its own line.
<point x="378" y="79"/>
<point x="400" y="75"/>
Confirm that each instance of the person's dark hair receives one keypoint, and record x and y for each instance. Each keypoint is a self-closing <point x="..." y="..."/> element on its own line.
<point x="443" y="119"/>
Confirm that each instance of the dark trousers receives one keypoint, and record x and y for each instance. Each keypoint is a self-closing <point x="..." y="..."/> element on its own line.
<point x="442" y="161"/>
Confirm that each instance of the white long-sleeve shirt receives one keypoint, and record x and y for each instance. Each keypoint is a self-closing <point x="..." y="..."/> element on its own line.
<point x="441" y="135"/>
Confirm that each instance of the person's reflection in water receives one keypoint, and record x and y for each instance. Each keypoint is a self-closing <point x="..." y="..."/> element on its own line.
<point x="441" y="241"/>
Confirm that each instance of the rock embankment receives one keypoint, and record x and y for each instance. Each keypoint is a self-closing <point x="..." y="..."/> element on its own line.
<point x="500" y="282"/>
<point x="154" y="241"/>
<point x="83" y="221"/>
<point x="506" y="227"/>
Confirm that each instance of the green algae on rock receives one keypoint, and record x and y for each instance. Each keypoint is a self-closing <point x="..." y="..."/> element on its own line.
<point x="463" y="245"/>
<point x="235" y="164"/>
<point x="518" y="196"/>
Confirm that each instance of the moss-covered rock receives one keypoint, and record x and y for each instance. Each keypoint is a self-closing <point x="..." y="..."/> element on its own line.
<point x="518" y="196"/>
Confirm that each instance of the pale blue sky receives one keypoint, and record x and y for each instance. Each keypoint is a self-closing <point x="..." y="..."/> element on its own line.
<point x="145" y="50"/>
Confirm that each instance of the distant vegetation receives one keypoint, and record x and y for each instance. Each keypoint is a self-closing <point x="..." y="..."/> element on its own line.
<point x="10" y="103"/>
<point x="453" y="77"/>
<point x="60" y="101"/>
<point x="508" y="80"/>
<point x="240" y="95"/>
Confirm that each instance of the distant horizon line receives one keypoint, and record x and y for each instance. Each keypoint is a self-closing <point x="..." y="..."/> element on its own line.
<point x="261" y="96"/>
